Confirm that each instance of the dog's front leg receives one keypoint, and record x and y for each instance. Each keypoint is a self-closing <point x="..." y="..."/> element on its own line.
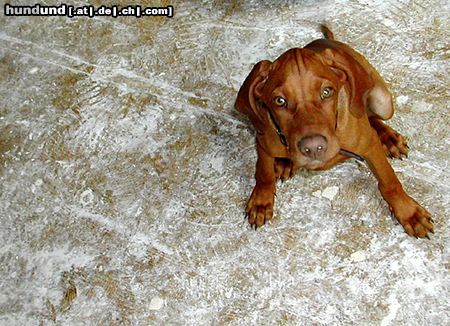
<point x="414" y="218"/>
<point x="260" y="204"/>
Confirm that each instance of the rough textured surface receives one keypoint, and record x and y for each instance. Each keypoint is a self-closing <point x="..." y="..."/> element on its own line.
<point x="124" y="172"/>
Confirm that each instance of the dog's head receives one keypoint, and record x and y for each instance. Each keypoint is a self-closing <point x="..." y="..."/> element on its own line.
<point x="300" y="95"/>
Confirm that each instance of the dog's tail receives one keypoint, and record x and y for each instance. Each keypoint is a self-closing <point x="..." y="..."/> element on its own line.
<point x="327" y="32"/>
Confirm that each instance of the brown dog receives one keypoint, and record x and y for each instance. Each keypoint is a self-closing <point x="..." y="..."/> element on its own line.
<point x="314" y="107"/>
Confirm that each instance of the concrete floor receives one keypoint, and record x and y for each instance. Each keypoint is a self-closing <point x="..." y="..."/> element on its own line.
<point x="124" y="171"/>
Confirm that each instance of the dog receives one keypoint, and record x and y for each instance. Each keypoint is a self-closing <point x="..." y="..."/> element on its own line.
<point x="317" y="106"/>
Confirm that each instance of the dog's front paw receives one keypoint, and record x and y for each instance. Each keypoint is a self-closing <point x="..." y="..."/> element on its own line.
<point x="260" y="205"/>
<point x="415" y="219"/>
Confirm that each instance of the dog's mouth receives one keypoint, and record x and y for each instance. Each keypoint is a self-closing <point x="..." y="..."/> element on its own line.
<point x="314" y="164"/>
<point x="310" y="164"/>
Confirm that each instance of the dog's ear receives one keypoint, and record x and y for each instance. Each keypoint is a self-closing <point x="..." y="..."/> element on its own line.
<point x="349" y="71"/>
<point x="250" y="92"/>
<point x="343" y="105"/>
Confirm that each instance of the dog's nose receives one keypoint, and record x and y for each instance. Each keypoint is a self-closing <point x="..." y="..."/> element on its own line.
<point x="313" y="147"/>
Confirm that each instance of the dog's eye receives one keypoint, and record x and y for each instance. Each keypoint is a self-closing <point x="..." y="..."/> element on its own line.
<point x="326" y="93"/>
<point x="280" y="101"/>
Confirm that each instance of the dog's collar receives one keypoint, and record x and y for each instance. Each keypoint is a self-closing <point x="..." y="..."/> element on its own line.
<point x="351" y="154"/>
<point x="283" y="139"/>
<point x="278" y="129"/>
<point x="275" y="123"/>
